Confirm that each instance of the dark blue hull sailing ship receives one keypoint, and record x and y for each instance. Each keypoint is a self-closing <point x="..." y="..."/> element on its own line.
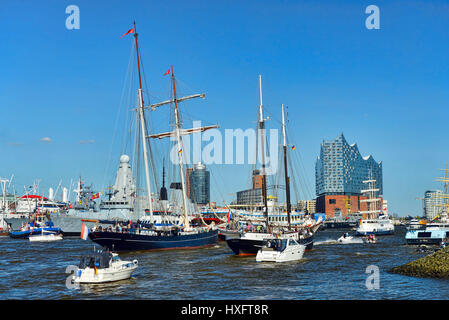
<point x="147" y="235"/>
<point x="132" y="241"/>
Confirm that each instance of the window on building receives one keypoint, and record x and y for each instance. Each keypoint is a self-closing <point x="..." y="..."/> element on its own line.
<point x="332" y="201"/>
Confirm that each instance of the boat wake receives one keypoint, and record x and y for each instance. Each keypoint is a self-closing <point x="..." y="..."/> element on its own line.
<point x="333" y="241"/>
<point x="327" y="241"/>
<point x="352" y="241"/>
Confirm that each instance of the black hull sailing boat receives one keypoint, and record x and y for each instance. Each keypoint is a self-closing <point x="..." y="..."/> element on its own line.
<point x="249" y="243"/>
<point x="145" y="235"/>
<point x="247" y="247"/>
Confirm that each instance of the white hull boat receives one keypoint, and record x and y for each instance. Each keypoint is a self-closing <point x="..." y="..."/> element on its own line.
<point x="281" y="251"/>
<point x="45" y="237"/>
<point x="103" y="267"/>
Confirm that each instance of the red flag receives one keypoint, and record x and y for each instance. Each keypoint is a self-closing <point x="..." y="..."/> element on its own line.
<point x="95" y="196"/>
<point x="168" y="71"/>
<point x="129" y="31"/>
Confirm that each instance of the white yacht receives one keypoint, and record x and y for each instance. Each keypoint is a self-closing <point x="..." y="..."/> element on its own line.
<point x="45" y="236"/>
<point x="379" y="226"/>
<point x="100" y="267"/>
<point x="281" y="250"/>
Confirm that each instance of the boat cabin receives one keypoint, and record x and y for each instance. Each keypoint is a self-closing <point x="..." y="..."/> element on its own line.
<point x="100" y="260"/>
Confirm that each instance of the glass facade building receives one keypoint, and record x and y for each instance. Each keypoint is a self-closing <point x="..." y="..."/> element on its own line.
<point x="199" y="184"/>
<point x="340" y="169"/>
<point x="433" y="202"/>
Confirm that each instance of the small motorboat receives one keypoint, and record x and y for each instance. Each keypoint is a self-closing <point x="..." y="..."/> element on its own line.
<point x="371" y="239"/>
<point x="100" y="267"/>
<point x="280" y="250"/>
<point x="345" y="238"/>
<point x="45" y="236"/>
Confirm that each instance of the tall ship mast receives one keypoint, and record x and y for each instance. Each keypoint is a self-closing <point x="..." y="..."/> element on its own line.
<point x="287" y="179"/>
<point x="262" y="144"/>
<point x="444" y="196"/>
<point x="372" y="200"/>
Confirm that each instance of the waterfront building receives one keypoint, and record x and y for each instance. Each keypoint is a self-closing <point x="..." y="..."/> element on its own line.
<point x="199" y="184"/>
<point x="340" y="171"/>
<point x="308" y="206"/>
<point x="254" y="195"/>
<point x="311" y="206"/>
<point x="250" y="197"/>
<point x="433" y="201"/>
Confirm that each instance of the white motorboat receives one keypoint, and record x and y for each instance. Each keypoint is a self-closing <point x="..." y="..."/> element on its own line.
<point x="281" y="250"/>
<point x="346" y="238"/>
<point x="379" y="226"/>
<point x="45" y="236"/>
<point x="99" y="267"/>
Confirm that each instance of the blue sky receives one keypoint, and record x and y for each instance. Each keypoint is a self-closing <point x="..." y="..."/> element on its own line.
<point x="386" y="90"/>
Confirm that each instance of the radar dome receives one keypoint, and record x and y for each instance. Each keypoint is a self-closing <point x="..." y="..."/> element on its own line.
<point x="124" y="159"/>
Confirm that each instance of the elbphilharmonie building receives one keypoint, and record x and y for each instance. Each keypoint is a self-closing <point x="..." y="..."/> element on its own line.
<point x="340" y="171"/>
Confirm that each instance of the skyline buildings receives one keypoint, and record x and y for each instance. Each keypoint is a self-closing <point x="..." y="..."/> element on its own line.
<point x="378" y="86"/>
<point x="199" y="184"/>
<point x="433" y="202"/>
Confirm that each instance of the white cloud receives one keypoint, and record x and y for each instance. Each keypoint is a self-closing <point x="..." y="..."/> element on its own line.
<point x="46" y="139"/>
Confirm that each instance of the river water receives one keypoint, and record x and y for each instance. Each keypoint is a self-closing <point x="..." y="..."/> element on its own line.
<point x="329" y="271"/>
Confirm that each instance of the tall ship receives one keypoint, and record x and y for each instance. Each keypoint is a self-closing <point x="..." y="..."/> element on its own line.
<point x="251" y="236"/>
<point x="377" y="222"/>
<point x="142" y="231"/>
<point x="436" y="231"/>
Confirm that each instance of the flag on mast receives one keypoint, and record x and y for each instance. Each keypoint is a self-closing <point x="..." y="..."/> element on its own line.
<point x="129" y="31"/>
<point x="229" y="215"/>
<point x="168" y="71"/>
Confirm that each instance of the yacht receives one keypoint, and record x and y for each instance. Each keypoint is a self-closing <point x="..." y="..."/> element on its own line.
<point x="45" y="236"/>
<point x="380" y="226"/>
<point x="100" y="267"/>
<point x="280" y="250"/>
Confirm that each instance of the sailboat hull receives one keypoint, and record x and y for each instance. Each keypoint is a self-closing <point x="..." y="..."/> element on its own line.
<point x="248" y="247"/>
<point x="136" y="242"/>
